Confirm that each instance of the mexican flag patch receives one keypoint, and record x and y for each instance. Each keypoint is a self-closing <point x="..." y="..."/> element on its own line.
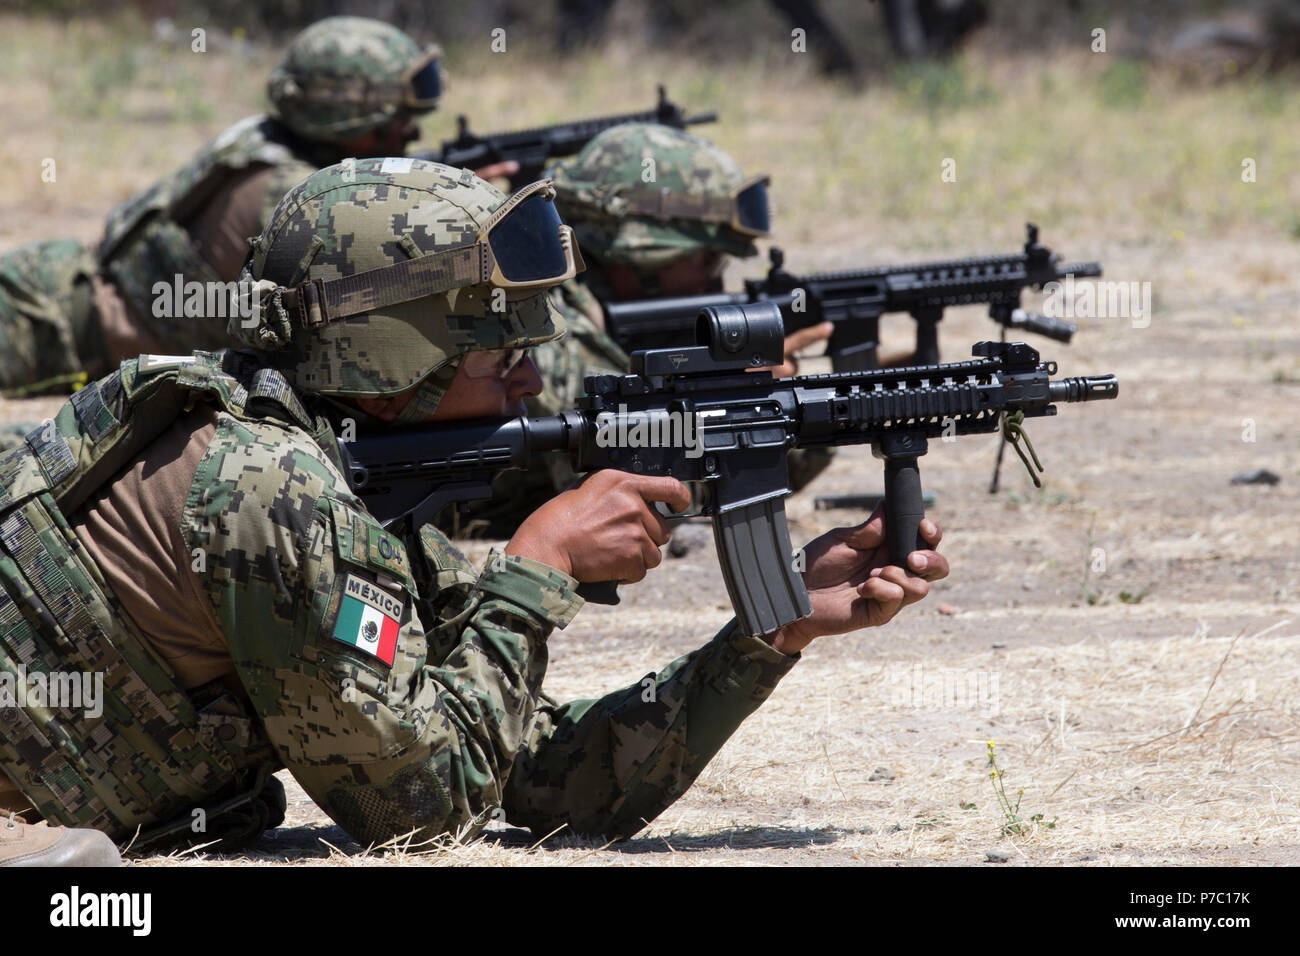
<point x="367" y="620"/>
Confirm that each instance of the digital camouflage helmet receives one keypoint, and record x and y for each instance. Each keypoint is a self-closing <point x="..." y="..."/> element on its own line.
<point x="646" y="195"/>
<point x="344" y="76"/>
<point x="376" y="275"/>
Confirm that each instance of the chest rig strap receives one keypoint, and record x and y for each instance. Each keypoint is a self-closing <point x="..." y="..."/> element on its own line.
<point x="94" y="728"/>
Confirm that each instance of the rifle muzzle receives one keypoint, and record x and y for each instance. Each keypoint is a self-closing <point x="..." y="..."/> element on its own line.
<point x="1039" y="324"/>
<point x="1084" y="388"/>
<point x="1079" y="270"/>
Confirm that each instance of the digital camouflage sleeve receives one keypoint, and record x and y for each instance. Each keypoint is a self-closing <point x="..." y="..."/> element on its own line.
<point x="381" y="738"/>
<point x="401" y="697"/>
<point x="610" y="766"/>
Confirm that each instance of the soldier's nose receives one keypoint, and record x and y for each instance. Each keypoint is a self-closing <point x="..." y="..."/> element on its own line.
<point x="525" y="380"/>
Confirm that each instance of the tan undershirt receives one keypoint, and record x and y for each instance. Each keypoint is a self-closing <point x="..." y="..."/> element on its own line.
<point x="125" y="336"/>
<point x="132" y="530"/>
<point x="221" y="229"/>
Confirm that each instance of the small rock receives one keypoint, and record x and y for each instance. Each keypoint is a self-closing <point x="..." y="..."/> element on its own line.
<point x="881" y="773"/>
<point x="688" y="538"/>
<point x="999" y="645"/>
<point x="1260" y="476"/>
<point x="997" y="856"/>
<point x="1087" y="858"/>
<point x="947" y="609"/>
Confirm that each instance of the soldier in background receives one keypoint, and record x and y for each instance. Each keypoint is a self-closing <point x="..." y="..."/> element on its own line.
<point x="183" y="527"/>
<point x="347" y="86"/>
<point x="658" y="212"/>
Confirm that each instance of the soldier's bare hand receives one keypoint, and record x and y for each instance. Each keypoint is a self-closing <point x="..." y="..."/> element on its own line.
<point x="796" y="342"/>
<point x="491" y="171"/>
<point x="604" y="529"/>
<point x="852" y="584"/>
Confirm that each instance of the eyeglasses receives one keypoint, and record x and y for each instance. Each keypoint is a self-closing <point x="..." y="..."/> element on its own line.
<point x="523" y="245"/>
<point x="489" y="363"/>
<point x="744" y="209"/>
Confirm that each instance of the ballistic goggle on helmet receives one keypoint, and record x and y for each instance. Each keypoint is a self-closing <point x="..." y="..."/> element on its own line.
<point x="645" y="195"/>
<point x="743" y="209"/>
<point x="434" y="264"/>
<point x="344" y="76"/>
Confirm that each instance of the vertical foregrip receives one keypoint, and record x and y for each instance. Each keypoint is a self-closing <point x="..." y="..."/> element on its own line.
<point x="766" y="590"/>
<point x="904" y="509"/>
<point x="927" y="336"/>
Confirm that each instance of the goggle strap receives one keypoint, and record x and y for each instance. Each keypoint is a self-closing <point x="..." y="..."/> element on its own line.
<point x="665" y="204"/>
<point x="318" y="302"/>
<point x="347" y="90"/>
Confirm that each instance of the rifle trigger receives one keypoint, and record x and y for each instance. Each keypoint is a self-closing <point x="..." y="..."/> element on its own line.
<point x="661" y="508"/>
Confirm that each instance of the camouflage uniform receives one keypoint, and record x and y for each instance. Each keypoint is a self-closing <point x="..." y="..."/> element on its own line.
<point x="425" y="725"/>
<point x="589" y="190"/>
<point x="635" y="156"/>
<point x="44" y="313"/>
<point x="339" y="79"/>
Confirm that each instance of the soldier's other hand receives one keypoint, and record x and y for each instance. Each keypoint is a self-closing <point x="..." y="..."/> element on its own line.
<point x="852" y="585"/>
<point x="491" y="171"/>
<point x="604" y="529"/>
<point x="796" y="342"/>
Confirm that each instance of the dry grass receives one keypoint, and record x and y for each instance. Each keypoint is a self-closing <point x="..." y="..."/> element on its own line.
<point x="1086" y="144"/>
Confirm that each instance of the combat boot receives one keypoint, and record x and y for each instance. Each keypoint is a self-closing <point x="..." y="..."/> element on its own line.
<point x="26" y="844"/>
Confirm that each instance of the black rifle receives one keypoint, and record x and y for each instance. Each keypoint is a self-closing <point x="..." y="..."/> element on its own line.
<point x="531" y="148"/>
<point x="734" y="429"/>
<point x="855" y="300"/>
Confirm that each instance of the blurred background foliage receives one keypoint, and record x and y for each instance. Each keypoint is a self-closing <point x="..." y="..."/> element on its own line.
<point x="1145" y="141"/>
<point x="872" y="33"/>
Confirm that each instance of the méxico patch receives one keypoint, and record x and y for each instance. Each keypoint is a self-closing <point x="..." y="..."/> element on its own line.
<point x="368" y="618"/>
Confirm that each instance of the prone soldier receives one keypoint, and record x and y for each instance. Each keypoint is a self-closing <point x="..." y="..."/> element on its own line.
<point x="346" y="86"/>
<point x="183" y="527"/>
<point x="658" y="212"/>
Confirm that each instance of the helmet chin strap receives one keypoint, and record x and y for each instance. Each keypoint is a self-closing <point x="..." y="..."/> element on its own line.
<point x="428" y="394"/>
<point x="340" y="411"/>
<point x="423" y="404"/>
